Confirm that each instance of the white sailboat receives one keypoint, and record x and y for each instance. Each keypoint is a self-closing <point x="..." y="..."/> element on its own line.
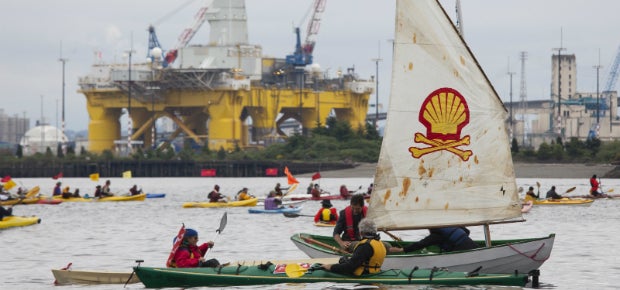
<point x="445" y="158"/>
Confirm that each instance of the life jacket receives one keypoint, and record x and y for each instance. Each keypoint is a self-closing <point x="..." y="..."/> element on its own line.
<point x="594" y="185"/>
<point x="350" y="229"/>
<point x="327" y="215"/>
<point x="453" y="237"/>
<point x="373" y="265"/>
<point x="270" y="203"/>
<point x="173" y="263"/>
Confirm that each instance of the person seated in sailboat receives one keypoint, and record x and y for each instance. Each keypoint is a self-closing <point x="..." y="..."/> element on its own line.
<point x="279" y="190"/>
<point x="368" y="255"/>
<point x="243" y="194"/>
<point x="530" y="195"/>
<point x="346" y="232"/>
<point x="272" y="202"/>
<point x="190" y="255"/>
<point x="327" y="214"/>
<point x="215" y="195"/>
<point x="552" y="194"/>
<point x="448" y="239"/>
<point x="134" y="190"/>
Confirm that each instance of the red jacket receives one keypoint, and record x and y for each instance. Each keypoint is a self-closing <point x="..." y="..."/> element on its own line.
<point x="188" y="257"/>
<point x="594" y="184"/>
<point x="333" y="213"/>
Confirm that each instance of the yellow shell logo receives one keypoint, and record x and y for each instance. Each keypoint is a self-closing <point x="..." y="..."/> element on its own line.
<point x="444" y="114"/>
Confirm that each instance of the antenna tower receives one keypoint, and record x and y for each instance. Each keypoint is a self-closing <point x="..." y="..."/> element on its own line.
<point x="523" y="97"/>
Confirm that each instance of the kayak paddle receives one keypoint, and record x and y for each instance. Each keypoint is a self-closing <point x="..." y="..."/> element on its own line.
<point x="294" y="215"/>
<point x="219" y="230"/>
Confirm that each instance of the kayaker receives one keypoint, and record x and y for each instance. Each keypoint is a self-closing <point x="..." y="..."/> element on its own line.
<point x="448" y="239"/>
<point x="327" y="214"/>
<point x="346" y="230"/>
<point x="552" y="194"/>
<point x="279" y="190"/>
<point x="5" y="211"/>
<point x="594" y="190"/>
<point x="345" y="192"/>
<point x="309" y="188"/>
<point x="316" y="191"/>
<point x="66" y="193"/>
<point x="190" y="255"/>
<point x="530" y="195"/>
<point x="367" y="256"/>
<point x="271" y="202"/>
<point x="105" y="190"/>
<point x="57" y="190"/>
<point x="370" y="188"/>
<point x="134" y="190"/>
<point x="215" y="195"/>
<point x="243" y="194"/>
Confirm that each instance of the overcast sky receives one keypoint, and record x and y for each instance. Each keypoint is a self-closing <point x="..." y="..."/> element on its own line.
<point x="352" y="33"/>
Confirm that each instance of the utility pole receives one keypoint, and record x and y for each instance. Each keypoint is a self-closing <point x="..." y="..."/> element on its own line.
<point x="598" y="67"/>
<point x="63" y="61"/>
<point x="523" y="95"/>
<point x="559" y="50"/>
<point x="377" y="60"/>
<point x="129" y="123"/>
<point x="512" y="129"/>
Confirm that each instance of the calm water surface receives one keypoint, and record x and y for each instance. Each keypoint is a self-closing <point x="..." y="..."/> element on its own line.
<point x="111" y="236"/>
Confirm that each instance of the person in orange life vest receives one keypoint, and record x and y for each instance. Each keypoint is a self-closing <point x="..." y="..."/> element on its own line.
<point x="271" y="202"/>
<point x="57" y="190"/>
<point x="190" y="255"/>
<point x="346" y="230"/>
<point x="316" y="191"/>
<point x="327" y="214"/>
<point x="215" y="195"/>
<point x="368" y="255"/>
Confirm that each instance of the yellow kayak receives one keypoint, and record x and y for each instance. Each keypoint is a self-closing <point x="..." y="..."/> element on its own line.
<point x="29" y="198"/>
<point x="137" y="197"/>
<point x="564" y="201"/>
<point x="73" y="199"/>
<point x="18" y="221"/>
<point x="247" y="202"/>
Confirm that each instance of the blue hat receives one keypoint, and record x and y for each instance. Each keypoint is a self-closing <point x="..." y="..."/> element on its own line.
<point x="190" y="233"/>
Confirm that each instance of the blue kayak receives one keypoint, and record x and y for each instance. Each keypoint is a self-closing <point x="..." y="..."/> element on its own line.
<point x="155" y="195"/>
<point x="279" y="210"/>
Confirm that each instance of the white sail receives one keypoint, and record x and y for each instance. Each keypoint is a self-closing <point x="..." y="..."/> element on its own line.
<point x="445" y="158"/>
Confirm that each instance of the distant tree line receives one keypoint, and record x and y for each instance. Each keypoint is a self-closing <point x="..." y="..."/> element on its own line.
<point x="571" y="151"/>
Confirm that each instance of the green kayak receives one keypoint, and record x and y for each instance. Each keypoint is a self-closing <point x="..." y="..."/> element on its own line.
<point x="241" y="275"/>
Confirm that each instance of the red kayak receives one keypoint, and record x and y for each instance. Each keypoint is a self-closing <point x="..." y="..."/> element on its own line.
<point x="324" y="197"/>
<point x="49" y="201"/>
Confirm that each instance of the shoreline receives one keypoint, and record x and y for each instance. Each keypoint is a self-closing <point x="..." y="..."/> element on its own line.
<point x="522" y="170"/>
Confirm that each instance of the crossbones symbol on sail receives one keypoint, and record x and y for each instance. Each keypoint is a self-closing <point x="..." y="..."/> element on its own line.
<point x="444" y="113"/>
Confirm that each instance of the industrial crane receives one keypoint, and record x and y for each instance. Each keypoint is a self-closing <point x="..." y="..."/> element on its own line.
<point x="303" y="53"/>
<point x="612" y="78"/>
<point x="187" y="34"/>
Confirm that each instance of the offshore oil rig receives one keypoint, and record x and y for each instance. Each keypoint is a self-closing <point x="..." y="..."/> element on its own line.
<point x="224" y="94"/>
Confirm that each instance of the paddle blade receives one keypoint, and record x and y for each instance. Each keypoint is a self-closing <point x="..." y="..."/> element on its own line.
<point x="290" y="214"/>
<point x="520" y="189"/>
<point x="294" y="270"/>
<point x="537" y="184"/>
<point x="610" y="190"/>
<point x="571" y="189"/>
<point x="223" y="222"/>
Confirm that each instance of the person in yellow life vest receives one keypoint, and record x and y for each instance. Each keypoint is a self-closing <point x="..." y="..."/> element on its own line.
<point x="327" y="214"/>
<point x="530" y="195"/>
<point x="367" y="256"/>
<point x="243" y="194"/>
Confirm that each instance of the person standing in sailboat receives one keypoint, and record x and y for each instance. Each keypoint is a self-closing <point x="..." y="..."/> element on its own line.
<point x="448" y="239"/>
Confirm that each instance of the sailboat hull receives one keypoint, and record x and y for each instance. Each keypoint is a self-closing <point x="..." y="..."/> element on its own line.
<point x="504" y="256"/>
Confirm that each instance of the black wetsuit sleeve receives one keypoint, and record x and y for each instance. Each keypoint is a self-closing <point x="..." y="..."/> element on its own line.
<point x="341" y="224"/>
<point x="362" y="253"/>
<point x="432" y="239"/>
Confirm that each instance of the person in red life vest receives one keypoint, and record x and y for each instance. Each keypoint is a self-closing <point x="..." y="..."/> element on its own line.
<point x="190" y="255"/>
<point x="327" y="214"/>
<point x="215" y="195"/>
<point x="316" y="191"/>
<point x="594" y="191"/>
<point x="346" y="230"/>
<point x="345" y="192"/>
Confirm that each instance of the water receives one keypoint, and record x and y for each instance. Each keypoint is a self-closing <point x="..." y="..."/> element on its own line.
<point x="111" y="236"/>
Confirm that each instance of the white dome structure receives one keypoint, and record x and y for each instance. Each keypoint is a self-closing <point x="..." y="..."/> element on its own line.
<point x="39" y="138"/>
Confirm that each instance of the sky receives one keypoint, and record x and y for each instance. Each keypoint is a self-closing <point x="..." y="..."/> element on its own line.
<point x="352" y="34"/>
